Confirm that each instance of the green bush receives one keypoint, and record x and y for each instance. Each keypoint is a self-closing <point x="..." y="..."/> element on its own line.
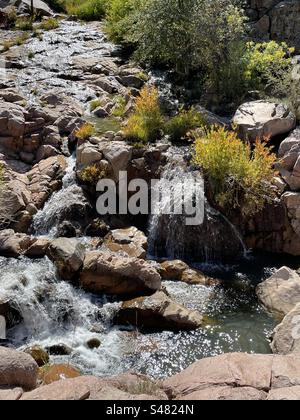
<point x="266" y="64"/>
<point x="49" y="24"/>
<point x="119" y="108"/>
<point x="240" y="178"/>
<point x="87" y="9"/>
<point x="179" y="126"/>
<point x="121" y="17"/>
<point x="146" y="122"/>
<point x="24" y="24"/>
<point x="96" y="103"/>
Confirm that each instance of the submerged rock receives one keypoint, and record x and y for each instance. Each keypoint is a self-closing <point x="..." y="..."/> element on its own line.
<point x="107" y="273"/>
<point x="158" y="312"/>
<point x="53" y="373"/>
<point x="281" y="292"/>
<point x="93" y="343"/>
<point x="38" y="354"/>
<point x="59" y="350"/>
<point x="262" y="118"/>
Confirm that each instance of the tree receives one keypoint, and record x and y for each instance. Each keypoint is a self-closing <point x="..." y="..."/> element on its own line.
<point x="187" y="35"/>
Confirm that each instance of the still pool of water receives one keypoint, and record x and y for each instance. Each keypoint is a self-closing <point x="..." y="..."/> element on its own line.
<point x="102" y="125"/>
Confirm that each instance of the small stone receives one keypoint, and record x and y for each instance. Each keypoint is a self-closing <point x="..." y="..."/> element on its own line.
<point x="38" y="354"/>
<point x="93" y="343"/>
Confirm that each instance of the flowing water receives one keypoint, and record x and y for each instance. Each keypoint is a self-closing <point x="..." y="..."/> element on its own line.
<point x="56" y="312"/>
<point x="45" y="222"/>
<point x="170" y="236"/>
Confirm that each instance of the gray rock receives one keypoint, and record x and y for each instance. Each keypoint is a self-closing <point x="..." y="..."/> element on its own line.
<point x="286" y="337"/>
<point x="262" y="118"/>
<point x="281" y="292"/>
<point x="67" y="255"/>
<point x="158" y="312"/>
<point x="112" y="274"/>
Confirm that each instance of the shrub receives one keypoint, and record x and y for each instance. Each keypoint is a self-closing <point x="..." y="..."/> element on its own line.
<point x="120" y="18"/>
<point x="19" y="40"/>
<point x="96" y="103"/>
<point x="87" y="9"/>
<point x="146" y="121"/>
<point x="240" y="178"/>
<point x="187" y="35"/>
<point x="49" y="24"/>
<point x="179" y="126"/>
<point x="30" y="55"/>
<point x="92" y="174"/>
<point x="24" y="24"/>
<point x="58" y="5"/>
<point x="85" y="131"/>
<point x="11" y="13"/>
<point x="266" y="64"/>
<point x="119" y="108"/>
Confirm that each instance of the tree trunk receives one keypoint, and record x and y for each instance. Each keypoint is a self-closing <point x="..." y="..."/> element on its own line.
<point x="32" y="8"/>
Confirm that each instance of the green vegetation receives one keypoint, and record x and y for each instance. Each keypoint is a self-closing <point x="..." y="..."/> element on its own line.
<point x="266" y="64"/>
<point x="86" y="9"/>
<point x="85" y="131"/>
<point x="19" y="40"/>
<point x="48" y="24"/>
<point x="119" y="108"/>
<point x="30" y="55"/>
<point x="92" y="174"/>
<point x="96" y="103"/>
<point x="179" y="126"/>
<point x="121" y="17"/>
<point x="240" y="178"/>
<point x="24" y="23"/>
<point x="146" y="122"/>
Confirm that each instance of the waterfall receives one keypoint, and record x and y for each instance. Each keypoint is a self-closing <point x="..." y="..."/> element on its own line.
<point x="53" y="311"/>
<point x="46" y="221"/>
<point x="213" y="240"/>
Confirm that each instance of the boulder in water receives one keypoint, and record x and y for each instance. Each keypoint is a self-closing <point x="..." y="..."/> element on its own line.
<point x="93" y="343"/>
<point x="106" y="273"/>
<point x="281" y="292"/>
<point x="158" y="312"/>
<point x="14" y="244"/>
<point x="67" y="255"/>
<point x="59" y="350"/>
<point x="131" y="241"/>
<point x="38" y="249"/>
<point x="17" y="369"/>
<point x="178" y="270"/>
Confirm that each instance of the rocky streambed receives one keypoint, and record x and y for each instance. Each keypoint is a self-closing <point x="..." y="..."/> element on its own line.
<point x="109" y="295"/>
